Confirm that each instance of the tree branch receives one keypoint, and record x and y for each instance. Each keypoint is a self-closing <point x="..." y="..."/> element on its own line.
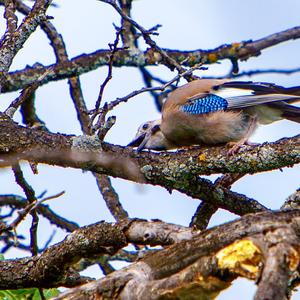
<point x="178" y="170"/>
<point x="141" y="279"/>
<point x="43" y="209"/>
<point x="12" y="43"/>
<point x="88" y="62"/>
<point x="50" y="268"/>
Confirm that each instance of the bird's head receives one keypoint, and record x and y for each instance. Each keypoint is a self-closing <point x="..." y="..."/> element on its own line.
<point x="149" y="136"/>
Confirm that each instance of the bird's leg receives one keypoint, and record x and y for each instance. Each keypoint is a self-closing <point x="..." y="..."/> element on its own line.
<point x="244" y="141"/>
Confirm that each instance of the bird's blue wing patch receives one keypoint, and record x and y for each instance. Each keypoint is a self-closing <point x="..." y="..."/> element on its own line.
<point x="204" y="104"/>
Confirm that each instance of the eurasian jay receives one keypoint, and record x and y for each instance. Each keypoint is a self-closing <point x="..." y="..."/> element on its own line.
<point x="198" y="114"/>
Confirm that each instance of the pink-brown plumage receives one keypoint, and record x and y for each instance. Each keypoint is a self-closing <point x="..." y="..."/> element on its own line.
<point x="213" y="128"/>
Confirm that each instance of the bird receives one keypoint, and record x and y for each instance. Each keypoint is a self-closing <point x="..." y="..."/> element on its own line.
<point x="199" y="113"/>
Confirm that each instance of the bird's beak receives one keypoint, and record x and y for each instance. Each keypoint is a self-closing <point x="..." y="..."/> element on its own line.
<point x="142" y="139"/>
<point x="139" y="142"/>
<point x="146" y="137"/>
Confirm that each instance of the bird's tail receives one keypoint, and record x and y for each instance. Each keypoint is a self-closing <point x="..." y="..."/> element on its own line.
<point x="295" y="90"/>
<point x="260" y="88"/>
<point x="292" y="113"/>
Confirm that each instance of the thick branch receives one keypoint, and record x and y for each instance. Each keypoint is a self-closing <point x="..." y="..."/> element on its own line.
<point x="50" y="268"/>
<point x="139" y="278"/>
<point x="178" y="170"/>
<point x="275" y="278"/>
<point x="44" y="147"/>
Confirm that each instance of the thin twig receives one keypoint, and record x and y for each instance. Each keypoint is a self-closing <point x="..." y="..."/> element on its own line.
<point x="48" y="242"/>
<point x="23" y="213"/>
<point x="202" y="216"/>
<point x="33" y="233"/>
<point x="128" y="31"/>
<point x="19" y="202"/>
<point x="111" y="197"/>
<point x="169" y="61"/>
<point x="264" y="71"/>
<point x="8" y="239"/>
<point x="158" y="97"/>
<point x="101" y="120"/>
<point x="112" y="104"/>
<point x="227" y="180"/>
<point x="20" y="180"/>
<point x="30" y="195"/>
<point x="51" y="197"/>
<point x="25" y="95"/>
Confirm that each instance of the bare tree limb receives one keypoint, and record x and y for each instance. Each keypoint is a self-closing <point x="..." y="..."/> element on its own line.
<point x="206" y="209"/>
<point x="111" y="197"/>
<point x="50" y="268"/>
<point x="293" y="201"/>
<point x="12" y="43"/>
<point x="250" y="73"/>
<point x="11" y="18"/>
<point x="88" y="62"/>
<point x="178" y="170"/>
<point x="141" y="279"/>
<point x="203" y="214"/>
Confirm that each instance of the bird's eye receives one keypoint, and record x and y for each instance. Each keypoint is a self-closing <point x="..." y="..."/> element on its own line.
<point x="145" y="126"/>
<point x="155" y="129"/>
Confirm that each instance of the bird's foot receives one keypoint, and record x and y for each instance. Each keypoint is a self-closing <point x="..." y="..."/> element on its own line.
<point x="188" y="147"/>
<point x="236" y="146"/>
